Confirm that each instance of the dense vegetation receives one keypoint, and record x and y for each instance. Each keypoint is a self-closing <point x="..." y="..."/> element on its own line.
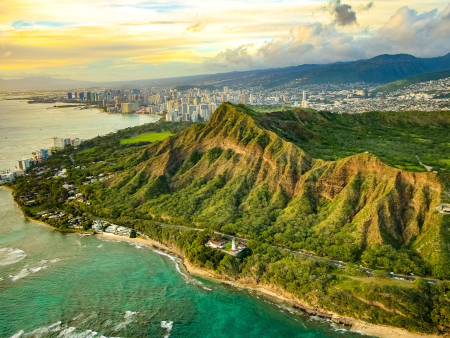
<point x="397" y="138"/>
<point x="247" y="173"/>
<point x="423" y="308"/>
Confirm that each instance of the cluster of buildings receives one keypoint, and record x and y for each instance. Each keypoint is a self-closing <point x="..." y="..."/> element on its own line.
<point x="38" y="157"/>
<point x="59" y="143"/>
<point x="198" y="104"/>
<point x="105" y="227"/>
<point x="176" y="106"/>
<point x="221" y="244"/>
<point x="361" y="97"/>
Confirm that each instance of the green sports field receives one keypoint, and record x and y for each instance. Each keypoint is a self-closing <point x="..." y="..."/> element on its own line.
<point x="147" y="137"/>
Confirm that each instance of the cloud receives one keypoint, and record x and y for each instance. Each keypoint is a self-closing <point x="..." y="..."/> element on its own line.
<point x="407" y="31"/>
<point x="196" y="28"/>
<point x="366" y="7"/>
<point x="342" y="14"/>
<point x="239" y="57"/>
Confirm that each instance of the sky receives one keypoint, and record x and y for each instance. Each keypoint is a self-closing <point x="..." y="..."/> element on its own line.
<point x="115" y="40"/>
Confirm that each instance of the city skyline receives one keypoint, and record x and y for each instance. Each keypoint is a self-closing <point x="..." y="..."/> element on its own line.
<point x="114" y="40"/>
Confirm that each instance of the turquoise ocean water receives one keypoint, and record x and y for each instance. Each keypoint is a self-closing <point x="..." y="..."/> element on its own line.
<point x="54" y="284"/>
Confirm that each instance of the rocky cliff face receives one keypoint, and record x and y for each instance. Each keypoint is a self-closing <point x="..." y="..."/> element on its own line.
<point x="232" y="174"/>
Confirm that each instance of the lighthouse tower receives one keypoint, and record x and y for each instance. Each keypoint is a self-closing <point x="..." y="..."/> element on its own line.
<point x="233" y="244"/>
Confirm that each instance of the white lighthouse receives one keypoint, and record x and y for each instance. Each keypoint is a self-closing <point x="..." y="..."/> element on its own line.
<point x="233" y="244"/>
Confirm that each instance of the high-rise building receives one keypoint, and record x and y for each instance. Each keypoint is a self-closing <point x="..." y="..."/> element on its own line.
<point x="304" y="104"/>
<point x="305" y="96"/>
<point x="69" y="96"/>
<point x="203" y="110"/>
<point x="81" y="96"/>
<point x="243" y="98"/>
<point x="184" y="108"/>
<point x="58" y="143"/>
<point x="129" y="107"/>
<point x="42" y="154"/>
<point x="75" y="142"/>
<point x="24" y="164"/>
<point x="212" y="108"/>
<point x="88" y="96"/>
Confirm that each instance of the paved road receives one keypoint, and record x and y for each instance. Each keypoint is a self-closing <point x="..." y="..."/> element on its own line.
<point x="336" y="263"/>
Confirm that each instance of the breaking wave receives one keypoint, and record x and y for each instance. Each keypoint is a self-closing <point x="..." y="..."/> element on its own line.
<point x="28" y="271"/>
<point x="137" y="245"/>
<point x="10" y="256"/>
<point x="168" y="327"/>
<point x="185" y="277"/>
<point x="64" y="332"/>
<point x="128" y="319"/>
<point x="25" y="272"/>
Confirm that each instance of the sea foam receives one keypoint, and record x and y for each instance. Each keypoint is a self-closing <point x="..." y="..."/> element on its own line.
<point x="25" y="272"/>
<point x="64" y="332"/>
<point x="128" y="319"/>
<point x="168" y="327"/>
<point x="10" y="256"/>
<point x="185" y="277"/>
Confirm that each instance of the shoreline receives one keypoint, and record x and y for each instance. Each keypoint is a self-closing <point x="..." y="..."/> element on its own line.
<point x="356" y="325"/>
<point x="381" y="331"/>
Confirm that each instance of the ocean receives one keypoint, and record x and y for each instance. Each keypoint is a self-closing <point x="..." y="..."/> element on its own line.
<point x="55" y="284"/>
<point x="24" y="127"/>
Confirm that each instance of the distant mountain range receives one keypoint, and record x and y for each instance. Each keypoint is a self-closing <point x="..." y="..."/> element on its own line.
<point x="380" y="69"/>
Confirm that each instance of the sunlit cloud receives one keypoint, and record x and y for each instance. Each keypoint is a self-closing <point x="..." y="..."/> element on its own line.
<point x="151" y="39"/>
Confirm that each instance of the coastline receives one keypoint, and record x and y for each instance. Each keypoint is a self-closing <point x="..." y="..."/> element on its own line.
<point x="358" y="326"/>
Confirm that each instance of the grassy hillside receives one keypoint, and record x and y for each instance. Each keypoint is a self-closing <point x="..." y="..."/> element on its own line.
<point x="248" y="173"/>
<point x="397" y="138"/>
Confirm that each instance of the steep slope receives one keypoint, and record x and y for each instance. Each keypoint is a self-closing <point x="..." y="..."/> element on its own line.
<point x="232" y="175"/>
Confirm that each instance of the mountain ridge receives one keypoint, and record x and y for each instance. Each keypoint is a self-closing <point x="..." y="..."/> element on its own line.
<point x="231" y="175"/>
<point x="379" y="69"/>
